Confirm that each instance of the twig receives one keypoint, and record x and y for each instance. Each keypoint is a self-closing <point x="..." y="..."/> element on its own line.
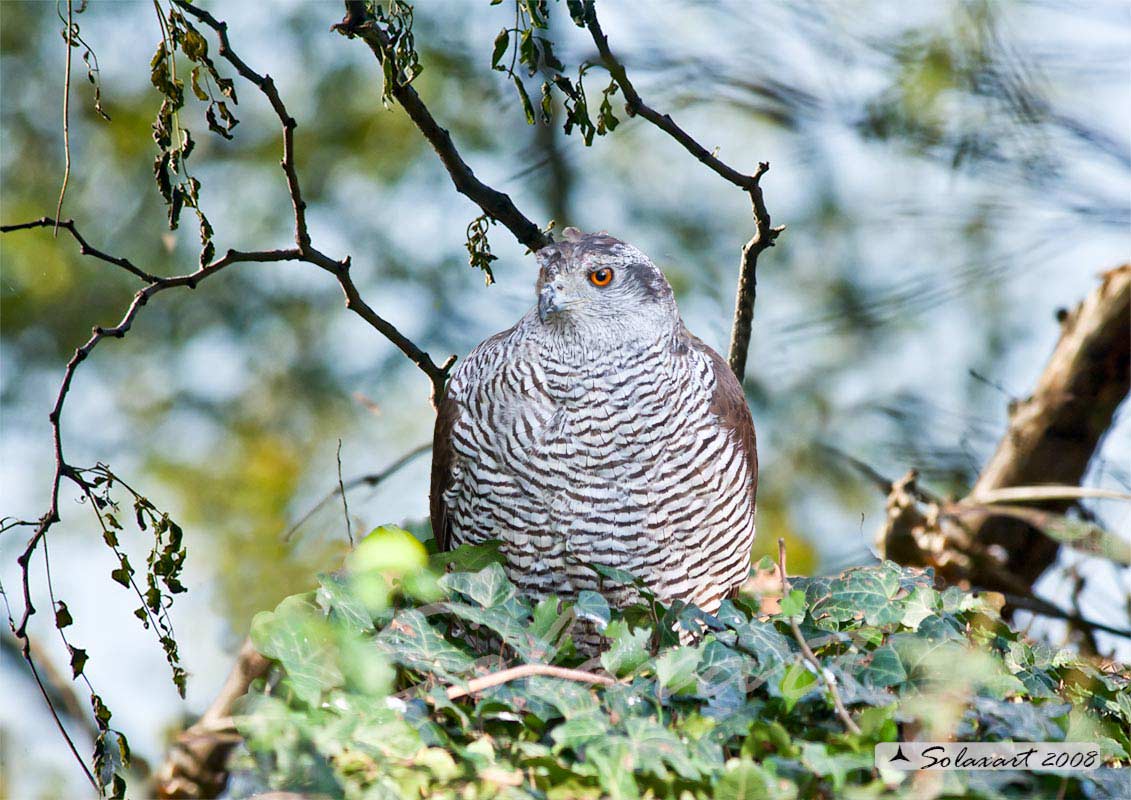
<point x="372" y="479"/>
<point x="527" y="671"/>
<point x="66" y="115"/>
<point x="25" y="652"/>
<point x="808" y="654"/>
<point x="358" y="22"/>
<point x="342" y="492"/>
<point x="84" y="248"/>
<point x="764" y="232"/>
<point x="438" y="375"/>
<point x="304" y="252"/>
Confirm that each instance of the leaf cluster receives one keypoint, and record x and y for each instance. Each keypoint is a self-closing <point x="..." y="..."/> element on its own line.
<point x="361" y="705"/>
<point x="532" y="49"/>
<point x="175" y="144"/>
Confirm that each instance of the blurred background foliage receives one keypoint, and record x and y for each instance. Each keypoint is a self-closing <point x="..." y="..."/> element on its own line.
<point x="951" y="173"/>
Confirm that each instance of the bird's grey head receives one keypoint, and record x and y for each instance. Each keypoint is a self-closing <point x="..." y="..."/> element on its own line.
<point x="595" y="283"/>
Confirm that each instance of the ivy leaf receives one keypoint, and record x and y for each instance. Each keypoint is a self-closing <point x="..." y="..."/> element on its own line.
<point x="797" y="682"/>
<point x="593" y="607"/>
<point x="675" y="669"/>
<point x="469" y="557"/>
<point x="488" y="587"/>
<point x="527" y="106"/>
<point x="793" y="605"/>
<point x="745" y="780"/>
<point x="296" y="635"/>
<point x="627" y="650"/>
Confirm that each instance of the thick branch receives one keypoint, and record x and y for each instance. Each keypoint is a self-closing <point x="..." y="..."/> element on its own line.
<point x="764" y="231"/>
<point x="196" y="765"/>
<point x="1053" y="433"/>
<point x="359" y="23"/>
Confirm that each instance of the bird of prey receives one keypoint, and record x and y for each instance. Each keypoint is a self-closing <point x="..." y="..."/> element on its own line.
<point x="599" y="431"/>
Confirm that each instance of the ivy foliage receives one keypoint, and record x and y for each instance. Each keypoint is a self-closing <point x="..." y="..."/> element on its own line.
<point x="358" y="705"/>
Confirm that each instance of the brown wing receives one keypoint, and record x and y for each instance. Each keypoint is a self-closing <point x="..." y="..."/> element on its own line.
<point x="442" y="456"/>
<point x="729" y="403"/>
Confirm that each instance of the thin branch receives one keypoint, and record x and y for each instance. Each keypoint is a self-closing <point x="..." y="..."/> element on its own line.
<point x="371" y="480"/>
<point x="66" y="113"/>
<point x="25" y="652"/>
<point x="1046" y="609"/>
<point x="527" y="671"/>
<point x="359" y="23"/>
<point x="438" y="375"/>
<point x="342" y="491"/>
<point x="303" y="252"/>
<point x="1028" y="494"/>
<point x="764" y="231"/>
<point x="808" y="653"/>
<point x="266" y="85"/>
<point x="84" y="248"/>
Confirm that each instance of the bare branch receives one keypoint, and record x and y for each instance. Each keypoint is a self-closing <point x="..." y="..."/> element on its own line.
<point x="342" y="491"/>
<point x="764" y="232"/>
<point x="809" y="655"/>
<point x="438" y="375"/>
<point x="1047" y="609"/>
<point x="527" y="671"/>
<point x="364" y="480"/>
<point x="267" y="86"/>
<point x="84" y="248"/>
<point x="70" y="22"/>
<point x="359" y="23"/>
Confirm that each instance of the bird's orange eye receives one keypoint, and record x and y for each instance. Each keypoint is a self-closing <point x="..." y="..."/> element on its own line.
<point x="601" y="277"/>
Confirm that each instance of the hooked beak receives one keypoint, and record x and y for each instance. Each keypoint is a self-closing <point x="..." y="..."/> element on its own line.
<point x="548" y="302"/>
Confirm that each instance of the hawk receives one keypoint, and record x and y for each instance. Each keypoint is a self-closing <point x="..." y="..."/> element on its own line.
<point x="599" y="431"/>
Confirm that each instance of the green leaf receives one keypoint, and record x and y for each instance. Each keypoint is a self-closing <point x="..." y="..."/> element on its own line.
<point x="793" y="605"/>
<point x="675" y="669"/>
<point x="388" y="550"/>
<point x="593" y="607"/>
<point x="527" y="106"/>
<point x="410" y="641"/>
<point x="488" y="587"/>
<point x="500" y="47"/>
<point x="297" y="636"/>
<point x="744" y="780"/>
<point x="884" y="669"/>
<point x="627" y="650"/>
<point x="864" y="594"/>
<point x="469" y="557"/>
<point x="923" y="603"/>
<point x="579" y="731"/>
<point x="797" y="682"/>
